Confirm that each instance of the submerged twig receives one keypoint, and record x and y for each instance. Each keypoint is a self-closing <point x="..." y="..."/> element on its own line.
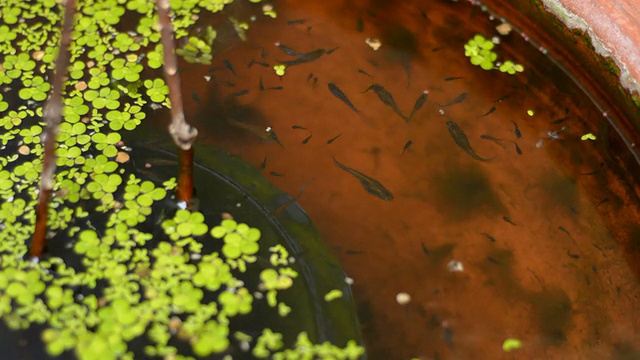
<point x="52" y="116"/>
<point x="183" y="134"/>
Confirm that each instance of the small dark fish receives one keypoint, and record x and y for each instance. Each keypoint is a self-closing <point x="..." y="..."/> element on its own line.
<point x="493" y="108"/>
<point x="419" y="103"/>
<point x="313" y="79"/>
<point x="406" y="146"/>
<point x="296" y="22"/>
<point x="214" y="68"/>
<point x="340" y="95"/>
<point x="517" y="130"/>
<point x="424" y="248"/>
<point x="264" y="163"/>
<point x="250" y="64"/>
<point x="360" y="24"/>
<point x="274" y="136"/>
<point x="306" y="140"/>
<point x="298" y="127"/>
<point x="273" y="173"/>
<point x="275" y="88"/>
<point x="594" y="172"/>
<point x="263" y="53"/>
<point x="364" y="73"/>
<point x="386" y="98"/>
<point x="196" y="98"/>
<point x="502" y="98"/>
<point x="371" y="185"/>
<point x="304" y="58"/>
<point x="284" y="206"/>
<point x="460" y="98"/>
<point x="328" y="52"/>
<point x="261" y="85"/>
<point x="573" y="256"/>
<point x="518" y="150"/>
<point x="333" y="139"/>
<point x="491" y="238"/>
<point x="559" y="121"/>
<point x="453" y="78"/>
<point x="505" y="218"/>
<point x="240" y="93"/>
<point x="462" y="141"/>
<point x="228" y="65"/>
<point x="493" y="260"/>
<point x="228" y="83"/>
<point x="289" y="51"/>
<point x="494" y="139"/>
<point x="565" y="231"/>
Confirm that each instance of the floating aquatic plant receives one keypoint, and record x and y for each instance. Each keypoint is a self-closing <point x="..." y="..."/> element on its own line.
<point x="480" y="52"/>
<point x="125" y="287"/>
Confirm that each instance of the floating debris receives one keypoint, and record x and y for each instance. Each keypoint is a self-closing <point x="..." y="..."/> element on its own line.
<point x="333" y="295"/>
<point x="373" y="43"/>
<point x="504" y="29"/>
<point x="511" y="344"/>
<point x="403" y="298"/>
<point x="455" y="266"/>
<point x="588" y="136"/>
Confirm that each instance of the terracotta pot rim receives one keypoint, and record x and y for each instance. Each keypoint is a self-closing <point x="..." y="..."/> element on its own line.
<point x="614" y="29"/>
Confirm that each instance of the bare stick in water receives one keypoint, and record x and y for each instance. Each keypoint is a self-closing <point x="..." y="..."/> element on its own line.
<point x="183" y="134"/>
<point x="52" y="116"/>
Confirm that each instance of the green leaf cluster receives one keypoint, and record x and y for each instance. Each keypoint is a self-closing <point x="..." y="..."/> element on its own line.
<point x="480" y="52"/>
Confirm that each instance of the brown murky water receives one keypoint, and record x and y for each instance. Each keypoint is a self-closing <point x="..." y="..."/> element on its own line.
<point x="545" y="237"/>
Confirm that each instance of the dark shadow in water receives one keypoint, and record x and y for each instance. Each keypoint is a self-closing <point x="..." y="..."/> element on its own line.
<point x="498" y="268"/>
<point x="463" y="192"/>
<point x="552" y="312"/>
<point x="560" y="191"/>
<point x="625" y="351"/>
<point x="632" y="249"/>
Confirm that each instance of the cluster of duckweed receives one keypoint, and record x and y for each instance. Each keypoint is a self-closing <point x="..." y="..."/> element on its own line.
<point x="117" y="282"/>
<point x="480" y="52"/>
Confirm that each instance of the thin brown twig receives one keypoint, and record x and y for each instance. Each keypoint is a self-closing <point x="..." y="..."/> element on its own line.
<point x="52" y="116"/>
<point x="183" y="134"/>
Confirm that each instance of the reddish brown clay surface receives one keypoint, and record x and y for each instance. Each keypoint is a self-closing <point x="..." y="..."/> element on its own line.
<point x="617" y="25"/>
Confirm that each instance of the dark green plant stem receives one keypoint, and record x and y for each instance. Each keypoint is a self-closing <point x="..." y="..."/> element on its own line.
<point x="183" y="134"/>
<point x="52" y="116"/>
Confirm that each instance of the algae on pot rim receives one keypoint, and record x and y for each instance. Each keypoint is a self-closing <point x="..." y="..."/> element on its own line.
<point x="120" y="270"/>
